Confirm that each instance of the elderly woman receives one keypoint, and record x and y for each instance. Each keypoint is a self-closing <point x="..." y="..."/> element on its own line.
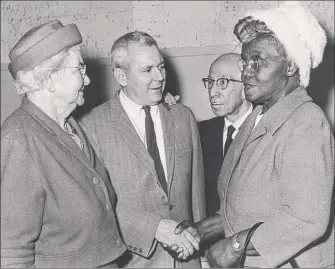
<point x="276" y="189"/>
<point x="56" y="200"/>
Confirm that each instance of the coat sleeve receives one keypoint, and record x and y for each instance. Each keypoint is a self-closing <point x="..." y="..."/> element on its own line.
<point x="305" y="166"/>
<point x="198" y="177"/>
<point x="22" y="203"/>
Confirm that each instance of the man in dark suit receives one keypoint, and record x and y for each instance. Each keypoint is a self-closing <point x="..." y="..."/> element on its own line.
<point x="228" y="103"/>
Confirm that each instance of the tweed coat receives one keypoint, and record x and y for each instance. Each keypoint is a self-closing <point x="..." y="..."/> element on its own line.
<point x="141" y="202"/>
<point x="211" y="137"/>
<point x="282" y="173"/>
<point x="56" y="200"/>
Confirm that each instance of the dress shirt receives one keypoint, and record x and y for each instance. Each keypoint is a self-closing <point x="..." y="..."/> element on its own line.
<point x="237" y="124"/>
<point x="137" y="117"/>
<point x="258" y="118"/>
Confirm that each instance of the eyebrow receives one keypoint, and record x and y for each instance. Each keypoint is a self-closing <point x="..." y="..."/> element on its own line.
<point x="150" y="66"/>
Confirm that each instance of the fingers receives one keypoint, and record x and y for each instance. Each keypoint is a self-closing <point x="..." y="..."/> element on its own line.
<point x="182" y="226"/>
<point x="194" y="241"/>
<point x="177" y="97"/>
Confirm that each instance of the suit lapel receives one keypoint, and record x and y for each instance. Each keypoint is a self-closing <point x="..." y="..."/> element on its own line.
<point x="126" y="129"/>
<point x="169" y="141"/>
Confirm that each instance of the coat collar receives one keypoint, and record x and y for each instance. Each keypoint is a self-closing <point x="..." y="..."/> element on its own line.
<point x="85" y="155"/>
<point x="281" y="111"/>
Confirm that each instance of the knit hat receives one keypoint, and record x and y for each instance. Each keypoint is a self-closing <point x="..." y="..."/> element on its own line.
<point x="41" y="43"/>
<point x="299" y="32"/>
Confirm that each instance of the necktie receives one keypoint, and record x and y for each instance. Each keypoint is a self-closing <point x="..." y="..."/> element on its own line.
<point x="153" y="148"/>
<point x="230" y="132"/>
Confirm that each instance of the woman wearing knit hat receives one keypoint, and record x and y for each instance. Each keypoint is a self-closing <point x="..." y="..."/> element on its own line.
<point x="277" y="186"/>
<point x="57" y="204"/>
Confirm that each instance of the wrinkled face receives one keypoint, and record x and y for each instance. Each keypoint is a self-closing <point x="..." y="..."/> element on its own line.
<point x="145" y="79"/>
<point x="225" y="101"/>
<point x="265" y="85"/>
<point x="70" y="79"/>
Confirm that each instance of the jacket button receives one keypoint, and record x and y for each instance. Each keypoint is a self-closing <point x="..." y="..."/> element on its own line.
<point x="96" y="181"/>
<point x="170" y="207"/>
<point x="119" y="242"/>
<point x="135" y="248"/>
<point x="130" y="246"/>
<point x="140" y="250"/>
<point x="108" y="207"/>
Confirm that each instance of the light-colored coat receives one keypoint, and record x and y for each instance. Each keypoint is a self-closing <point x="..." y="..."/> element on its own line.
<point x="56" y="200"/>
<point x="141" y="202"/>
<point x="282" y="173"/>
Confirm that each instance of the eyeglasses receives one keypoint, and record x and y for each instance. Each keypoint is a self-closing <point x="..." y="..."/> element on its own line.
<point x="81" y="68"/>
<point x="253" y="63"/>
<point x="222" y="83"/>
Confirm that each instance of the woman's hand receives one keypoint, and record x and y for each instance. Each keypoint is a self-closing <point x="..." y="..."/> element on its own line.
<point x="223" y="255"/>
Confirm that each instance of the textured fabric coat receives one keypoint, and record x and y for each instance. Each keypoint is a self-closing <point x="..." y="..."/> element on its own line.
<point x="141" y="202"/>
<point x="282" y="173"/>
<point x="56" y="200"/>
<point x="211" y="137"/>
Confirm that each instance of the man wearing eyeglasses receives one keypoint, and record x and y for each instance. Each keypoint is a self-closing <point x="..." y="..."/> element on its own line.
<point x="226" y="96"/>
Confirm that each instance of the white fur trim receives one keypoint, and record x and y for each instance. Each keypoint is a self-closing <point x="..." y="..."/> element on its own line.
<point x="299" y="32"/>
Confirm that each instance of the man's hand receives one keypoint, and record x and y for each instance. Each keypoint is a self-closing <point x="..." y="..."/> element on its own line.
<point x="222" y="254"/>
<point x="184" y="242"/>
<point x="170" y="99"/>
<point x="190" y="227"/>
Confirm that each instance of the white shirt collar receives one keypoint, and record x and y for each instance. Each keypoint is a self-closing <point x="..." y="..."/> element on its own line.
<point x="134" y="110"/>
<point x="237" y="124"/>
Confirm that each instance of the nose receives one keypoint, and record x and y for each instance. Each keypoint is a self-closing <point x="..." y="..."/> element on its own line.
<point x="159" y="74"/>
<point x="86" y="80"/>
<point x="215" y="91"/>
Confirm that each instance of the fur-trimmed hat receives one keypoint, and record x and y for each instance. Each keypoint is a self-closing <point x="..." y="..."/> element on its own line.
<point x="41" y="43"/>
<point x="299" y="32"/>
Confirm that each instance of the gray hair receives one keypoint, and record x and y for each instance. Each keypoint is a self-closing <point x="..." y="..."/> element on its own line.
<point x="31" y="80"/>
<point x="120" y="46"/>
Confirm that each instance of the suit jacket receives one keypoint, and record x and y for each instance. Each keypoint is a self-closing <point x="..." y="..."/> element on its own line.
<point x="141" y="202"/>
<point x="282" y="173"/>
<point x="211" y="137"/>
<point x="56" y="200"/>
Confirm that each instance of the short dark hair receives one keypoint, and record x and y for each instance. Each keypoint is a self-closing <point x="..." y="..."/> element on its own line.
<point x="120" y="46"/>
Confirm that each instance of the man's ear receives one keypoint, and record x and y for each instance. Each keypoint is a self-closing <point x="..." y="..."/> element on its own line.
<point x="291" y="69"/>
<point x="120" y="76"/>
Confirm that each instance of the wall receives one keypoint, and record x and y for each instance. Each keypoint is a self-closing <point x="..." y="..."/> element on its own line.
<point x="191" y="34"/>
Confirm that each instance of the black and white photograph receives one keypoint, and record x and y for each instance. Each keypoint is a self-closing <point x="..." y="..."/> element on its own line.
<point x="167" y="134"/>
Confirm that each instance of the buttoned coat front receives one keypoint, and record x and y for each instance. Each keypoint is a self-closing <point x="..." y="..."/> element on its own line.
<point x="282" y="173"/>
<point x="141" y="202"/>
<point x="56" y="199"/>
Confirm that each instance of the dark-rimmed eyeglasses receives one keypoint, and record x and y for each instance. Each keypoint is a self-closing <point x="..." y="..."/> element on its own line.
<point x="221" y="83"/>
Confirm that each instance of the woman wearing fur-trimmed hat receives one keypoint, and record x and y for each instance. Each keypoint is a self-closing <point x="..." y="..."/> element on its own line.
<point x="277" y="185"/>
<point x="57" y="204"/>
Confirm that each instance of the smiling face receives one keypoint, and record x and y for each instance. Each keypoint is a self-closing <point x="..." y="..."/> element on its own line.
<point x="266" y="85"/>
<point x="226" y="101"/>
<point x="69" y="80"/>
<point x="145" y="79"/>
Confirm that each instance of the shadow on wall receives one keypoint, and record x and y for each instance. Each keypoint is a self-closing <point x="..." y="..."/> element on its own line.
<point x="322" y="78"/>
<point x="172" y="79"/>
<point x="101" y="88"/>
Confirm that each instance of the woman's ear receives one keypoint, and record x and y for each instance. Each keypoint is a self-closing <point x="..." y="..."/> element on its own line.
<point x="120" y="76"/>
<point x="291" y="69"/>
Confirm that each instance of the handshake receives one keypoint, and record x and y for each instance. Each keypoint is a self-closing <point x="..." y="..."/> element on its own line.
<point x="183" y="239"/>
